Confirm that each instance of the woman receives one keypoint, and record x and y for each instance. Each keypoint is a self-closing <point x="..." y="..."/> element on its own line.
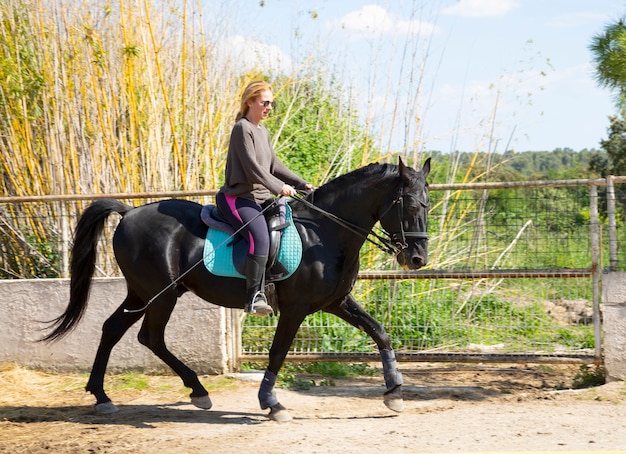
<point x="253" y="175"/>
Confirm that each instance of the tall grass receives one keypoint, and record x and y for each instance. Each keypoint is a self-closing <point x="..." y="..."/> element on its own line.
<point x="103" y="99"/>
<point x="129" y="96"/>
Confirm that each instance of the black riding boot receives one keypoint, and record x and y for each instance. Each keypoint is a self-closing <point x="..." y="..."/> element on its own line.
<point x="256" y="303"/>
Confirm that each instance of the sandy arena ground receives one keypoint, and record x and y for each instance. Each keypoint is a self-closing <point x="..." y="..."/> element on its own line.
<point x="449" y="408"/>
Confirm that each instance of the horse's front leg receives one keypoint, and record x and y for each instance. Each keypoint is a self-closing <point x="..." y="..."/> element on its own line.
<point x="350" y="311"/>
<point x="285" y="332"/>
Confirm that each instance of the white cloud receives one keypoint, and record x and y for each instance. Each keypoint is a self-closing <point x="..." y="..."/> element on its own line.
<point x="374" y="19"/>
<point x="250" y="54"/>
<point x="480" y="8"/>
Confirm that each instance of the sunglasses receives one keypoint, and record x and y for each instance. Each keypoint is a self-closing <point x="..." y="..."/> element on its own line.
<point x="267" y="103"/>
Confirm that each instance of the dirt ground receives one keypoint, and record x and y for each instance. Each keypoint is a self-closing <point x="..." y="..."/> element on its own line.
<point x="449" y="408"/>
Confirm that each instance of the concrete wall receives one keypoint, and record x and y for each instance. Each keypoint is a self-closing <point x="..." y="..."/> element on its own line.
<point x="199" y="333"/>
<point x="204" y="336"/>
<point x="614" y="324"/>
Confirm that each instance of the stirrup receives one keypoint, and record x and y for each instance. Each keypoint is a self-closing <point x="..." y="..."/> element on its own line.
<point x="258" y="306"/>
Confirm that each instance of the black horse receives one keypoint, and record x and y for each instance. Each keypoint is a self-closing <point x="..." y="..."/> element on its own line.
<point x="159" y="246"/>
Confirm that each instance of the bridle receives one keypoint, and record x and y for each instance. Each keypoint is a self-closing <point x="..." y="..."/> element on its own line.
<point x="399" y="238"/>
<point x="396" y="242"/>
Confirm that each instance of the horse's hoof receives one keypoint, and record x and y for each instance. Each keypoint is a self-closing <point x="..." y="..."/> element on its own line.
<point x="105" y="408"/>
<point x="394" y="403"/>
<point x="279" y="413"/>
<point x="203" y="402"/>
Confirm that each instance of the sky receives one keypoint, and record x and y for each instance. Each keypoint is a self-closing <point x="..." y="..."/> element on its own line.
<point x="449" y="74"/>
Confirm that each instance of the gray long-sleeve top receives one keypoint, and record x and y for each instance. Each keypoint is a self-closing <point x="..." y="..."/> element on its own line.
<point x="253" y="170"/>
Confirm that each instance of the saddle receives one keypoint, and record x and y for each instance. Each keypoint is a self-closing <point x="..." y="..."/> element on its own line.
<point x="225" y="251"/>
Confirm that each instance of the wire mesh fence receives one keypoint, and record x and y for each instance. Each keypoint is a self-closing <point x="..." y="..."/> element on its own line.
<point x="37" y="232"/>
<point x="513" y="272"/>
<point x="440" y="319"/>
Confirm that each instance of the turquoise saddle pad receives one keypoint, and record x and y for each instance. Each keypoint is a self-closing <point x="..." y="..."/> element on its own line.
<point x="219" y="248"/>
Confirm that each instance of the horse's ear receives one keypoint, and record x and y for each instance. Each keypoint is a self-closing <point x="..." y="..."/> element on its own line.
<point x="401" y="166"/>
<point x="426" y="168"/>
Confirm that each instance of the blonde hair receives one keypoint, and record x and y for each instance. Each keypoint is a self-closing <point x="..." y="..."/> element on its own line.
<point x="252" y="91"/>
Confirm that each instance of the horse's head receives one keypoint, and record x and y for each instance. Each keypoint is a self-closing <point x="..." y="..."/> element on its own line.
<point x="406" y="220"/>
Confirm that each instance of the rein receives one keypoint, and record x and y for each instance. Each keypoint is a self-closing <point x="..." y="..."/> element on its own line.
<point x="392" y="245"/>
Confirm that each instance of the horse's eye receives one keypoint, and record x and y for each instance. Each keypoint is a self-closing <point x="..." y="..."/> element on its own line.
<point x="412" y="208"/>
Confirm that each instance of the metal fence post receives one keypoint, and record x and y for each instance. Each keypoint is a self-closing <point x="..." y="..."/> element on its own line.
<point x="595" y="267"/>
<point x="610" y="208"/>
<point x="65" y="241"/>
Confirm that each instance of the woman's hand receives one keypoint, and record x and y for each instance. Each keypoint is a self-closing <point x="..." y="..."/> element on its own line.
<point x="288" y="191"/>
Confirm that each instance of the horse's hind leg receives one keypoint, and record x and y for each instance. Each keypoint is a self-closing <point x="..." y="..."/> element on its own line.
<point x="112" y="331"/>
<point x="152" y="335"/>
<point x="350" y="311"/>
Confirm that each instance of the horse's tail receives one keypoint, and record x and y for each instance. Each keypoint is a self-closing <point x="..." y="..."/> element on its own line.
<point x="83" y="264"/>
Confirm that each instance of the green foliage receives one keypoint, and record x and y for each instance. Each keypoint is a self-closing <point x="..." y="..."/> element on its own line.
<point x="129" y="380"/>
<point x="583" y="339"/>
<point x="461" y="321"/>
<point x="296" y="375"/>
<point x="613" y="160"/>
<point x="589" y="376"/>
<point x="289" y="380"/>
<point x="46" y="257"/>
<point x="332" y="369"/>
<point x="558" y="164"/>
<point x="552" y="208"/>
<point x="442" y="314"/>
<point x="20" y="67"/>
<point x="315" y="128"/>
<point x="609" y="56"/>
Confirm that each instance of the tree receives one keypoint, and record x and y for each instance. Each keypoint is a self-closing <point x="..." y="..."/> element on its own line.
<point x="316" y="131"/>
<point x="609" y="51"/>
<point x="609" y="56"/>
<point x="614" y="162"/>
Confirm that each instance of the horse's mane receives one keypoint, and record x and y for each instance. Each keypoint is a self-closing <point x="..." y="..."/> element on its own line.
<point x="364" y="177"/>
